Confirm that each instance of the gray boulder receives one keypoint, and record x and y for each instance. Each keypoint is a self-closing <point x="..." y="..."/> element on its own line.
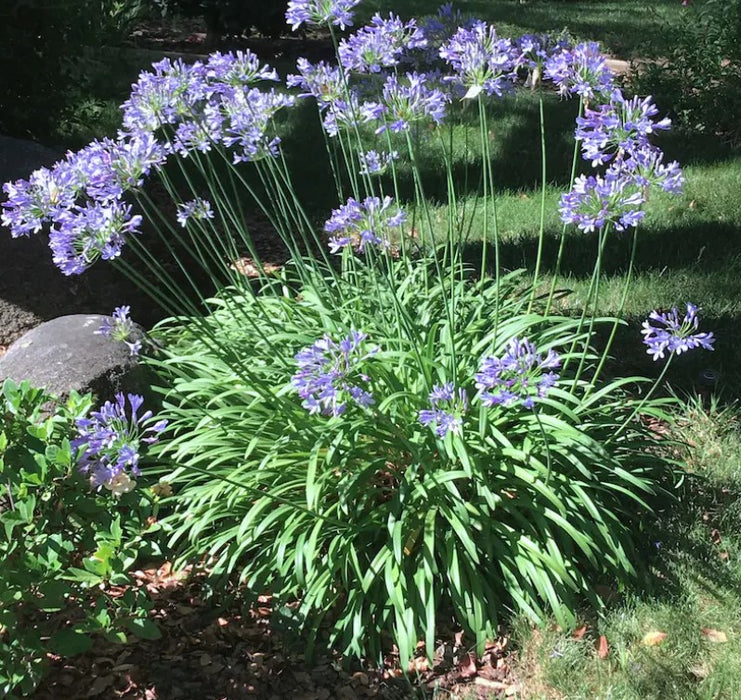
<point x="66" y="354"/>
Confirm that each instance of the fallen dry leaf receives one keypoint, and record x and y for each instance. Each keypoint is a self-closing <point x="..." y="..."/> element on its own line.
<point x="651" y="639"/>
<point x="580" y="632"/>
<point x="712" y="635"/>
<point x="468" y="667"/>
<point x="603" y="649"/>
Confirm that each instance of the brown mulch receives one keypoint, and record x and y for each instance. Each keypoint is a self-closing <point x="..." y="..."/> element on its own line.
<point x="207" y="653"/>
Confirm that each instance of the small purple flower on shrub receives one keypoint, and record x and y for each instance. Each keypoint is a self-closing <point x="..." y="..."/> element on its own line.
<point x="664" y="332"/>
<point x="197" y="209"/>
<point x="119" y="326"/>
<point x="335" y="12"/>
<point x="448" y="407"/>
<point x="328" y="374"/>
<point x="357" y="224"/>
<point x="581" y="70"/>
<point x="110" y="442"/>
<point x="482" y="61"/>
<point x="518" y="376"/>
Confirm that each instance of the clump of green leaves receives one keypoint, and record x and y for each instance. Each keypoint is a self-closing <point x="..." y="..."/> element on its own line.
<point x="700" y="81"/>
<point x="60" y="542"/>
<point x="379" y="525"/>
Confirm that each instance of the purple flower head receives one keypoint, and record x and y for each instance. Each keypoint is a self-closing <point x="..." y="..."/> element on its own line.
<point x="248" y="117"/>
<point x="172" y="92"/>
<point x="329" y="375"/>
<point x="33" y="202"/>
<point x="518" y="377"/>
<point x="448" y="407"/>
<point x="615" y="198"/>
<point x="405" y="100"/>
<point x="380" y="44"/>
<point x="581" y="70"/>
<point x="481" y="60"/>
<point x="237" y="69"/>
<point x="83" y="235"/>
<point x="373" y="163"/>
<point x="533" y="50"/>
<point x="335" y="12"/>
<point x="109" y="442"/>
<point x="198" y="209"/>
<point x="119" y="327"/>
<point x="665" y="332"/>
<point x="647" y="168"/>
<point x="618" y="128"/>
<point x="320" y="80"/>
<point x="358" y="224"/>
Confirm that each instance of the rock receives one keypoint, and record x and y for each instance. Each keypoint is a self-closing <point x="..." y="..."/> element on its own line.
<point x="66" y="354"/>
<point x="19" y="158"/>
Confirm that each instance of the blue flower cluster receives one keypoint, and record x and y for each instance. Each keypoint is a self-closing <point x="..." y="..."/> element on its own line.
<point x="374" y="163"/>
<point x="380" y="45"/>
<point x="175" y="109"/>
<point x="119" y="327"/>
<point x="357" y="224"/>
<point x="328" y="376"/>
<point x="197" y="209"/>
<point x="616" y="134"/>
<point x="337" y="12"/>
<point x="448" y="407"/>
<point x="110" y="441"/>
<point x="519" y="376"/>
<point x="664" y="332"/>
<point x="481" y="61"/>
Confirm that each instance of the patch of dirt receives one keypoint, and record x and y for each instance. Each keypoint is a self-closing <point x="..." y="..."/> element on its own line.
<point x="234" y="654"/>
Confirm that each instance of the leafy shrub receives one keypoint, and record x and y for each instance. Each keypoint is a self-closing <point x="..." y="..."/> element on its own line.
<point x="233" y="17"/>
<point x="51" y="52"/>
<point x="381" y="432"/>
<point x="60" y="542"/>
<point x="700" y="81"/>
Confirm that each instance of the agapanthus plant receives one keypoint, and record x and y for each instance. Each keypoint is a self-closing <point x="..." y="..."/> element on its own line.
<point x="323" y="443"/>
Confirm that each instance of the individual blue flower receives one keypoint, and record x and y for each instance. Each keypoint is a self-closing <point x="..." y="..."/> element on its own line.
<point x="581" y="70"/>
<point x="664" y="332"/>
<point x="33" y="202"/>
<point x="335" y="12"/>
<point x="618" y="128"/>
<point x="83" y="235"/>
<point x="248" y="118"/>
<point x="358" y="224"/>
<point x="482" y="61"/>
<point x="405" y="100"/>
<point x="109" y="443"/>
<point x="448" y="407"/>
<point x="614" y="198"/>
<point x="518" y="377"/>
<point x="646" y="167"/>
<point x="374" y="163"/>
<point x="237" y="69"/>
<point x="120" y="327"/>
<point x="380" y="44"/>
<point x="320" y="80"/>
<point x="329" y="375"/>
<point x="198" y="209"/>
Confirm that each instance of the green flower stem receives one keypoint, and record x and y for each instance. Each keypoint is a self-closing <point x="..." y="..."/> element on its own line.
<point x="562" y="242"/>
<point x="642" y="403"/>
<point x="541" y="231"/>
<point x="616" y="322"/>
<point x="547" y="448"/>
